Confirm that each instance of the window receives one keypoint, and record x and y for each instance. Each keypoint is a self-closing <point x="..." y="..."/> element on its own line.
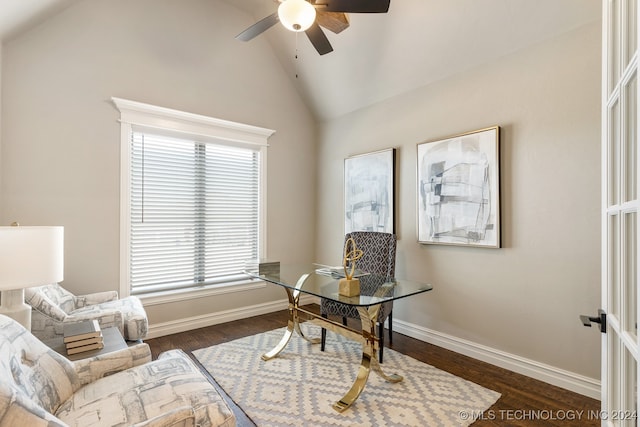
<point x="192" y="199"/>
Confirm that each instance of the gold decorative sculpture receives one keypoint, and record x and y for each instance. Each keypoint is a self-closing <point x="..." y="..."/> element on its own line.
<point x="350" y="286"/>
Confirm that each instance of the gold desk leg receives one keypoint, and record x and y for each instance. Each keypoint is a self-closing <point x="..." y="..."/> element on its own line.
<point x="357" y="387"/>
<point x="299" y="331"/>
<point x="293" y="324"/>
<point x="369" y="342"/>
<point x="282" y="344"/>
<point x="393" y="378"/>
<point x="374" y="364"/>
<point x="369" y="352"/>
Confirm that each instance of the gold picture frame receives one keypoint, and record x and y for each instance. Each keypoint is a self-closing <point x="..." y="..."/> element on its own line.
<point x="459" y="189"/>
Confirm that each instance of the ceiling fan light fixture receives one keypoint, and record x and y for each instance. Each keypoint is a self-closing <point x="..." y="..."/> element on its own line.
<point x="296" y="15"/>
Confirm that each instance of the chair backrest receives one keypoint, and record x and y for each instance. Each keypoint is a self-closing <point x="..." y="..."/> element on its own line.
<point x="379" y="251"/>
<point x="34" y="379"/>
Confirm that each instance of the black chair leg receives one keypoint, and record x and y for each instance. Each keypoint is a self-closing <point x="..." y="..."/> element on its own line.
<point x="390" y="328"/>
<point x="381" y="341"/>
<point x="323" y="335"/>
<point x="344" y="321"/>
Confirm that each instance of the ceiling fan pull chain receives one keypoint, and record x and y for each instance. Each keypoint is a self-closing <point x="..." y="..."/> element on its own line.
<point x="296" y="56"/>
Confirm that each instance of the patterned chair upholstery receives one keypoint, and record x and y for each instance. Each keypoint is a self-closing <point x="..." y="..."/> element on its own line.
<point x="52" y="306"/>
<point x="41" y="388"/>
<point x="379" y="257"/>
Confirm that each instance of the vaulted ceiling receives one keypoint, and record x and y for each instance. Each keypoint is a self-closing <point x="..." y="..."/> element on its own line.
<point x="383" y="55"/>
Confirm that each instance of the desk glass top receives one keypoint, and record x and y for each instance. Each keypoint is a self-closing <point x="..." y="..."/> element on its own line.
<point x="374" y="289"/>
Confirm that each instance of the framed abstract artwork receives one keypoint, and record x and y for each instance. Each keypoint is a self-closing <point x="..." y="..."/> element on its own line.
<point x="459" y="189"/>
<point x="369" y="181"/>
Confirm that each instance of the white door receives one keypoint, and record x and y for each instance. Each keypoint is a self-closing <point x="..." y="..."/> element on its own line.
<point x="620" y="213"/>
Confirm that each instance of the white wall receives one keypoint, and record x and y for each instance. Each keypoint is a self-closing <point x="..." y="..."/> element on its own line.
<point x="1" y="204"/>
<point x="525" y="298"/>
<point x="60" y="163"/>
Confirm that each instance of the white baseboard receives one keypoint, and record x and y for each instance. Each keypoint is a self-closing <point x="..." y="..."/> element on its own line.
<point x="559" y="377"/>
<point x="568" y="380"/>
<point x="195" y="322"/>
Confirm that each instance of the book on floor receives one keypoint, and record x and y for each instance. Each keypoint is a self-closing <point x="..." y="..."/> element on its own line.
<point x="82" y="330"/>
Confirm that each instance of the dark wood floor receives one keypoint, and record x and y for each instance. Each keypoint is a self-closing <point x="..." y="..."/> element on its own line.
<point x="524" y="401"/>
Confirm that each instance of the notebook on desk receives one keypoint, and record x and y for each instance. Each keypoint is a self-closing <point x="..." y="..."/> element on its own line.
<point x="337" y="272"/>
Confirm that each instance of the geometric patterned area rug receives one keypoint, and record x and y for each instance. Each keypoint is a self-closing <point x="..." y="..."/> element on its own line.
<point x="298" y="387"/>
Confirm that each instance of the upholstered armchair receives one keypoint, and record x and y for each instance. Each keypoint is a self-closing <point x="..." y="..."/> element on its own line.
<point x="379" y="257"/>
<point x="41" y="388"/>
<point x="52" y="306"/>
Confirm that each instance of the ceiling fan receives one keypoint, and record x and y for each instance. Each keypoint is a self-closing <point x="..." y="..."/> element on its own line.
<point x="310" y="15"/>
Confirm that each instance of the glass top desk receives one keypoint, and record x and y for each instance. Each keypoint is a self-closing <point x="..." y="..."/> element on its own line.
<point x="323" y="282"/>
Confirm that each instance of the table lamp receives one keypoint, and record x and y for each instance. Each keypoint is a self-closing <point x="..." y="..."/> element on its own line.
<point x="29" y="256"/>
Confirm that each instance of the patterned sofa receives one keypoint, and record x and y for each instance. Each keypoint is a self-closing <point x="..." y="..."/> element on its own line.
<point x="53" y="306"/>
<point x="39" y="387"/>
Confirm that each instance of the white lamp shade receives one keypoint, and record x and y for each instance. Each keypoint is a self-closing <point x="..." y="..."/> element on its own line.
<point x="296" y="15"/>
<point x="31" y="256"/>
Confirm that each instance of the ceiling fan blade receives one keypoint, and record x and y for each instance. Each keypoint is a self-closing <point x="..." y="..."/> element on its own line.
<point x="318" y="39"/>
<point x="259" y="27"/>
<point x="354" y="6"/>
<point x="333" y="21"/>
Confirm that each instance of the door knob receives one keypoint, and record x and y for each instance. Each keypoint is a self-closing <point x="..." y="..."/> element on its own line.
<point x="601" y="318"/>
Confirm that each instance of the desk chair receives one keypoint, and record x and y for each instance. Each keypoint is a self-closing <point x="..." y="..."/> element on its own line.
<point x="379" y="257"/>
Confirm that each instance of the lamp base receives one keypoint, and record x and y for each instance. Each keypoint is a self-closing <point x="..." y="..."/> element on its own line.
<point x="13" y="306"/>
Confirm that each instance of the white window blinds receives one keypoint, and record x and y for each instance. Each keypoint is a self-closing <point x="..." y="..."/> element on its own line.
<point x="194" y="212"/>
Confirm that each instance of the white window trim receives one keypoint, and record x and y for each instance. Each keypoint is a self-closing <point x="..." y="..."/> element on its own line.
<point x="137" y="115"/>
